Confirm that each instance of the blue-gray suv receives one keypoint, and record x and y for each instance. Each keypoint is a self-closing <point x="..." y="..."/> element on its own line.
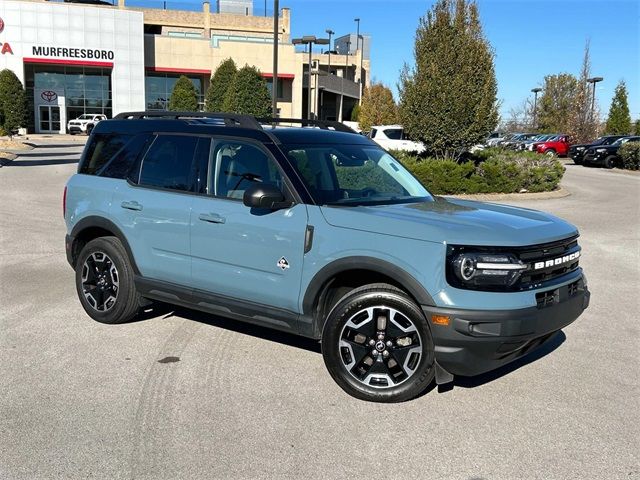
<point x="318" y="232"/>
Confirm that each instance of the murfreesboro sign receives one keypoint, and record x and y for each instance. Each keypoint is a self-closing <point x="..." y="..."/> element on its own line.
<point x="79" y="53"/>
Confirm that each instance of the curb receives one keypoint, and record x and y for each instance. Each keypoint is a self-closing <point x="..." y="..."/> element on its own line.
<point x="493" y="197"/>
<point x="6" y="158"/>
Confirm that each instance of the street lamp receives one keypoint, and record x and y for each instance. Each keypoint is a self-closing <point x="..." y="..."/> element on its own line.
<point x="310" y="40"/>
<point x="274" y="83"/>
<point x="330" y="33"/>
<point x="593" y="80"/>
<point x="535" y="105"/>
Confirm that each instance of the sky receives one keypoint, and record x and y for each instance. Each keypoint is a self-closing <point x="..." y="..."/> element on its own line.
<point x="531" y="39"/>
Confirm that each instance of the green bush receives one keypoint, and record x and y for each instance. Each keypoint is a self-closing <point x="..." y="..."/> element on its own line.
<point x="184" y="97"/>
<point x="248" y="94"/>
<point x="13" y="101"/>
<point x="630" y="154"/>
<point x="220" y="83"/>
<point x="500" y="172"/>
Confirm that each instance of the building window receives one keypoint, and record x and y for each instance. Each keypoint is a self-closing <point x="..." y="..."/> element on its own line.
<point x="158" y="88"/>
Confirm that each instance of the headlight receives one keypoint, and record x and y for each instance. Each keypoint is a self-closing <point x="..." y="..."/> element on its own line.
<point x="601" y="150"/>
<point x="477" y="270"/>
<point x="579" y="148"/>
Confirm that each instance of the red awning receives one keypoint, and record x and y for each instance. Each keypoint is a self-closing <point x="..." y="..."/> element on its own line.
<point x="178" y="70"/>
<point x="289" y="76"/>
<point x="58" y="61"/>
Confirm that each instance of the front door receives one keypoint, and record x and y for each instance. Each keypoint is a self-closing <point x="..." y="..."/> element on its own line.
<point x="49" y="118"/>
<point x="240" y="253"/>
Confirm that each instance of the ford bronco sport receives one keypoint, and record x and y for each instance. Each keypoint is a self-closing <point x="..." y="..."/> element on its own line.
<point x="318" y="232"/>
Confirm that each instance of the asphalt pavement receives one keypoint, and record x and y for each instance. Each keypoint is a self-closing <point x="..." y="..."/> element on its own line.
<point x="181" y="395"/>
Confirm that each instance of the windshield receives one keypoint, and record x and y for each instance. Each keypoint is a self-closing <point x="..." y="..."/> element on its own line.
<point x="85" y="117"/>
<point x="620" y="141"/>
<point x="353" y="175"/>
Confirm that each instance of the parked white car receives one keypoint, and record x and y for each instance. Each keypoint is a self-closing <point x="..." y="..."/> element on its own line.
<point x="84" y="123"/>
<point x="391" y="137"/>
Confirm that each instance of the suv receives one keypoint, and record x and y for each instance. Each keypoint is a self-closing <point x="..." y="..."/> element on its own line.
<point x="84" y="123"/>
<point x="576" y="152"/>
<point x="317" y="232"/>
<point x="391" y="137"/>
<point x="607" y="155"/>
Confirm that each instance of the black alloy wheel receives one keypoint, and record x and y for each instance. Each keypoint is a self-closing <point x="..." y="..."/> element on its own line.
<point x="377" y="345"/>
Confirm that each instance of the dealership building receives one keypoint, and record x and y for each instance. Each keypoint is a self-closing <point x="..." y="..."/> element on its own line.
<point x="77" y="58"/>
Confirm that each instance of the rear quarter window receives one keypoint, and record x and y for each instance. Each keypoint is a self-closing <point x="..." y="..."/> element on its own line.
<point x="101" y="149"/>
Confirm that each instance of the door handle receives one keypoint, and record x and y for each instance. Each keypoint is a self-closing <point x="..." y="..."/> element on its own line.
<point x="132" y="205"/>
<point x="211" y="218"/>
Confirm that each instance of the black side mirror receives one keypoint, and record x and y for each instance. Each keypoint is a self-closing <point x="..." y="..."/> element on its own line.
<point x="264" y="195"/>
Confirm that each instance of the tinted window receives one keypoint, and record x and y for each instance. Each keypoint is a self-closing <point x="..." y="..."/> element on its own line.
<point x="167" y="164"/>
<point x="393" y="133"/>
<point x="237" y="166"/>
<point x="100" y="150"/>
<point x="124" y="161"/>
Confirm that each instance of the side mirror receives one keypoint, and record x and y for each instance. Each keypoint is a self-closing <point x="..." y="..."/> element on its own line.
<point x="264" y="195"/>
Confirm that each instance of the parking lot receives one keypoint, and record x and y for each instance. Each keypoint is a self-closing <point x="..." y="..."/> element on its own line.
<point x="180" y="394"/>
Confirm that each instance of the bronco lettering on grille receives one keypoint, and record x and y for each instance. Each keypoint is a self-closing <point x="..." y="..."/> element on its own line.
<point x="556" y="261"/>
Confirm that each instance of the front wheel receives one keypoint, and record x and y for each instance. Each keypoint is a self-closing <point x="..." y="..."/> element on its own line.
<point x="104" y="281"/>
<point x="610" y="161"/>
<point x="377" y="345"/>
<point x="551" y="153"/>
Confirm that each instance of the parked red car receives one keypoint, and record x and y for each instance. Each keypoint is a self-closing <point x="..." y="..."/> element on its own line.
<point x="555" y="146"/>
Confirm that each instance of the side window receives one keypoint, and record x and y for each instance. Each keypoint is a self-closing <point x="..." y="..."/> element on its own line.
<point x="393" y="133"/>
<point x="167" y="164"/>
<point x="101" y="149"/>
<point x="125" y="160"/>
<point x="200" y="164"/>
<point x="235" y="166"/>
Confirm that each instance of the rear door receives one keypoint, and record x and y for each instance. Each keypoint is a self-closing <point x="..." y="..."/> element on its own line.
<point x="154" y="208"/>
<point x="255" y="256"/>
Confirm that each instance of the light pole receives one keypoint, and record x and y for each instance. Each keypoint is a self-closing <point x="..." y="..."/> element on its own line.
<point x="310" y="40"/>
<point x="357" y="20"/>
<point x="535" y="105"/>
<point x="330" y="33"/>
<point x="593" y="80"/>
<point x="346" y="63"/>
<point x="274" y="83"/>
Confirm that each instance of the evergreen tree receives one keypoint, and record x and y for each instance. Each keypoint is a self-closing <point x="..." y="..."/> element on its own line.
<point x="636" y="128"/>
<point x="448" y="99"/>
<point x="221" y="80"/>
<point x="555" y="108"/>
<point x="13" y="101"/>
<point x="619" y="121"/>
<point x="378" y="107"/>
<point x="184" y="97"/>
<point x="584" y="122"/>
<point x="248" y="94"/>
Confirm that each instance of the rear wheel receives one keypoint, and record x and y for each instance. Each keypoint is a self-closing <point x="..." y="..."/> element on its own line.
<point x="377" y="345"/>
<point x="104" y="281"/>
<point x="551" y="153"/>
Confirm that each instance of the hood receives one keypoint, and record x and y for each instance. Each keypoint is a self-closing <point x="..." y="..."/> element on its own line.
<point x="454" y="221"/>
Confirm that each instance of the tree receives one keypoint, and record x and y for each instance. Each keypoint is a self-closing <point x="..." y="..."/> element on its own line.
<point x="13" y="101"/>
<point x="184" y="97"/>
<point x="583" y="122"/>
<point x="520" y="117"/>
<point x="248" y="94"/>
<point x="619" y="121"/>
<point x="448" y="99"/>
<point x="556" y="104"/>
<point x="378" y="107"/>
<point x="221" y="80"/>
<point x="636" y="128"/>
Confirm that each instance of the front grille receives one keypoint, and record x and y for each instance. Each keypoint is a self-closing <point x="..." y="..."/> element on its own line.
<point x="544" y="253"/>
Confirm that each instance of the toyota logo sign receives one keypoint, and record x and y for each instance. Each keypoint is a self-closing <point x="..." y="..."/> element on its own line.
<point x="48" y="95"/>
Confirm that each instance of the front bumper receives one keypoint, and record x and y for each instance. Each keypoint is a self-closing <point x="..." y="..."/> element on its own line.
<point x="594" y="159"/>
<point x="477" y="341"/>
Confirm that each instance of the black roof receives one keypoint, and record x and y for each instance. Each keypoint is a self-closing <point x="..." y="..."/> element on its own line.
<point x="298" y="135"/>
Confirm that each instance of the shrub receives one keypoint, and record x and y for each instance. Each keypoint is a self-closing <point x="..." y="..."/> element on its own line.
<point x="184" y="97"/>
<point x="248" y="94"/>
<point x="220" y="83"/>
<point x="630" y="154"/>
<point x="500" y="172"/>
<point x="13" y="103"/>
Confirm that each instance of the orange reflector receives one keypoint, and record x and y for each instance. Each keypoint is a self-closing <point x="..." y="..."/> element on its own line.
<point x="440" y="319"/>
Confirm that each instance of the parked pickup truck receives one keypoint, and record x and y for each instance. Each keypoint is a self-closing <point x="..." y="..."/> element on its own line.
<point x="557" y="146"/>
<point x="84" y="123"/>
<point x="577" y="152"/>
<point x="607" y="155"/>
<point x="391" y="137"/>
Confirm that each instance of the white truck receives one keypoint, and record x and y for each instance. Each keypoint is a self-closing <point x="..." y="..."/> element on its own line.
<point x="84" y="123"/>
<point x="391" y="137"/>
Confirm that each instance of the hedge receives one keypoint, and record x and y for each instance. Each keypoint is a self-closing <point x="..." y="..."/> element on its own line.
<point x="630" y="154"/>
<point x="500" y="172"/>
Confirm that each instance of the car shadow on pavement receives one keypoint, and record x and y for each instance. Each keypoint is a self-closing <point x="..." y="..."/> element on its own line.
<point x="47" y="154"/>
<point x="257" y="331"/>
<point x="39" y="163"/>
<point x="471" y="382"/>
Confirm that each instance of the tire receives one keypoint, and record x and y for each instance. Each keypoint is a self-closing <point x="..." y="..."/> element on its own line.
<point x="382" y="319"/>
<point x="89" y="129"/>
<point x="610" y="162"/>
<point x="551" y="153"/>
<point x="577" y="162"/>
<point x="104" y="282"/>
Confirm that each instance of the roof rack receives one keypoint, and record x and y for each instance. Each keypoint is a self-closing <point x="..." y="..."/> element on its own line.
<point x="323" y="124"/>
<point x="229" y="119"/>
<point x="235" y="119"/>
